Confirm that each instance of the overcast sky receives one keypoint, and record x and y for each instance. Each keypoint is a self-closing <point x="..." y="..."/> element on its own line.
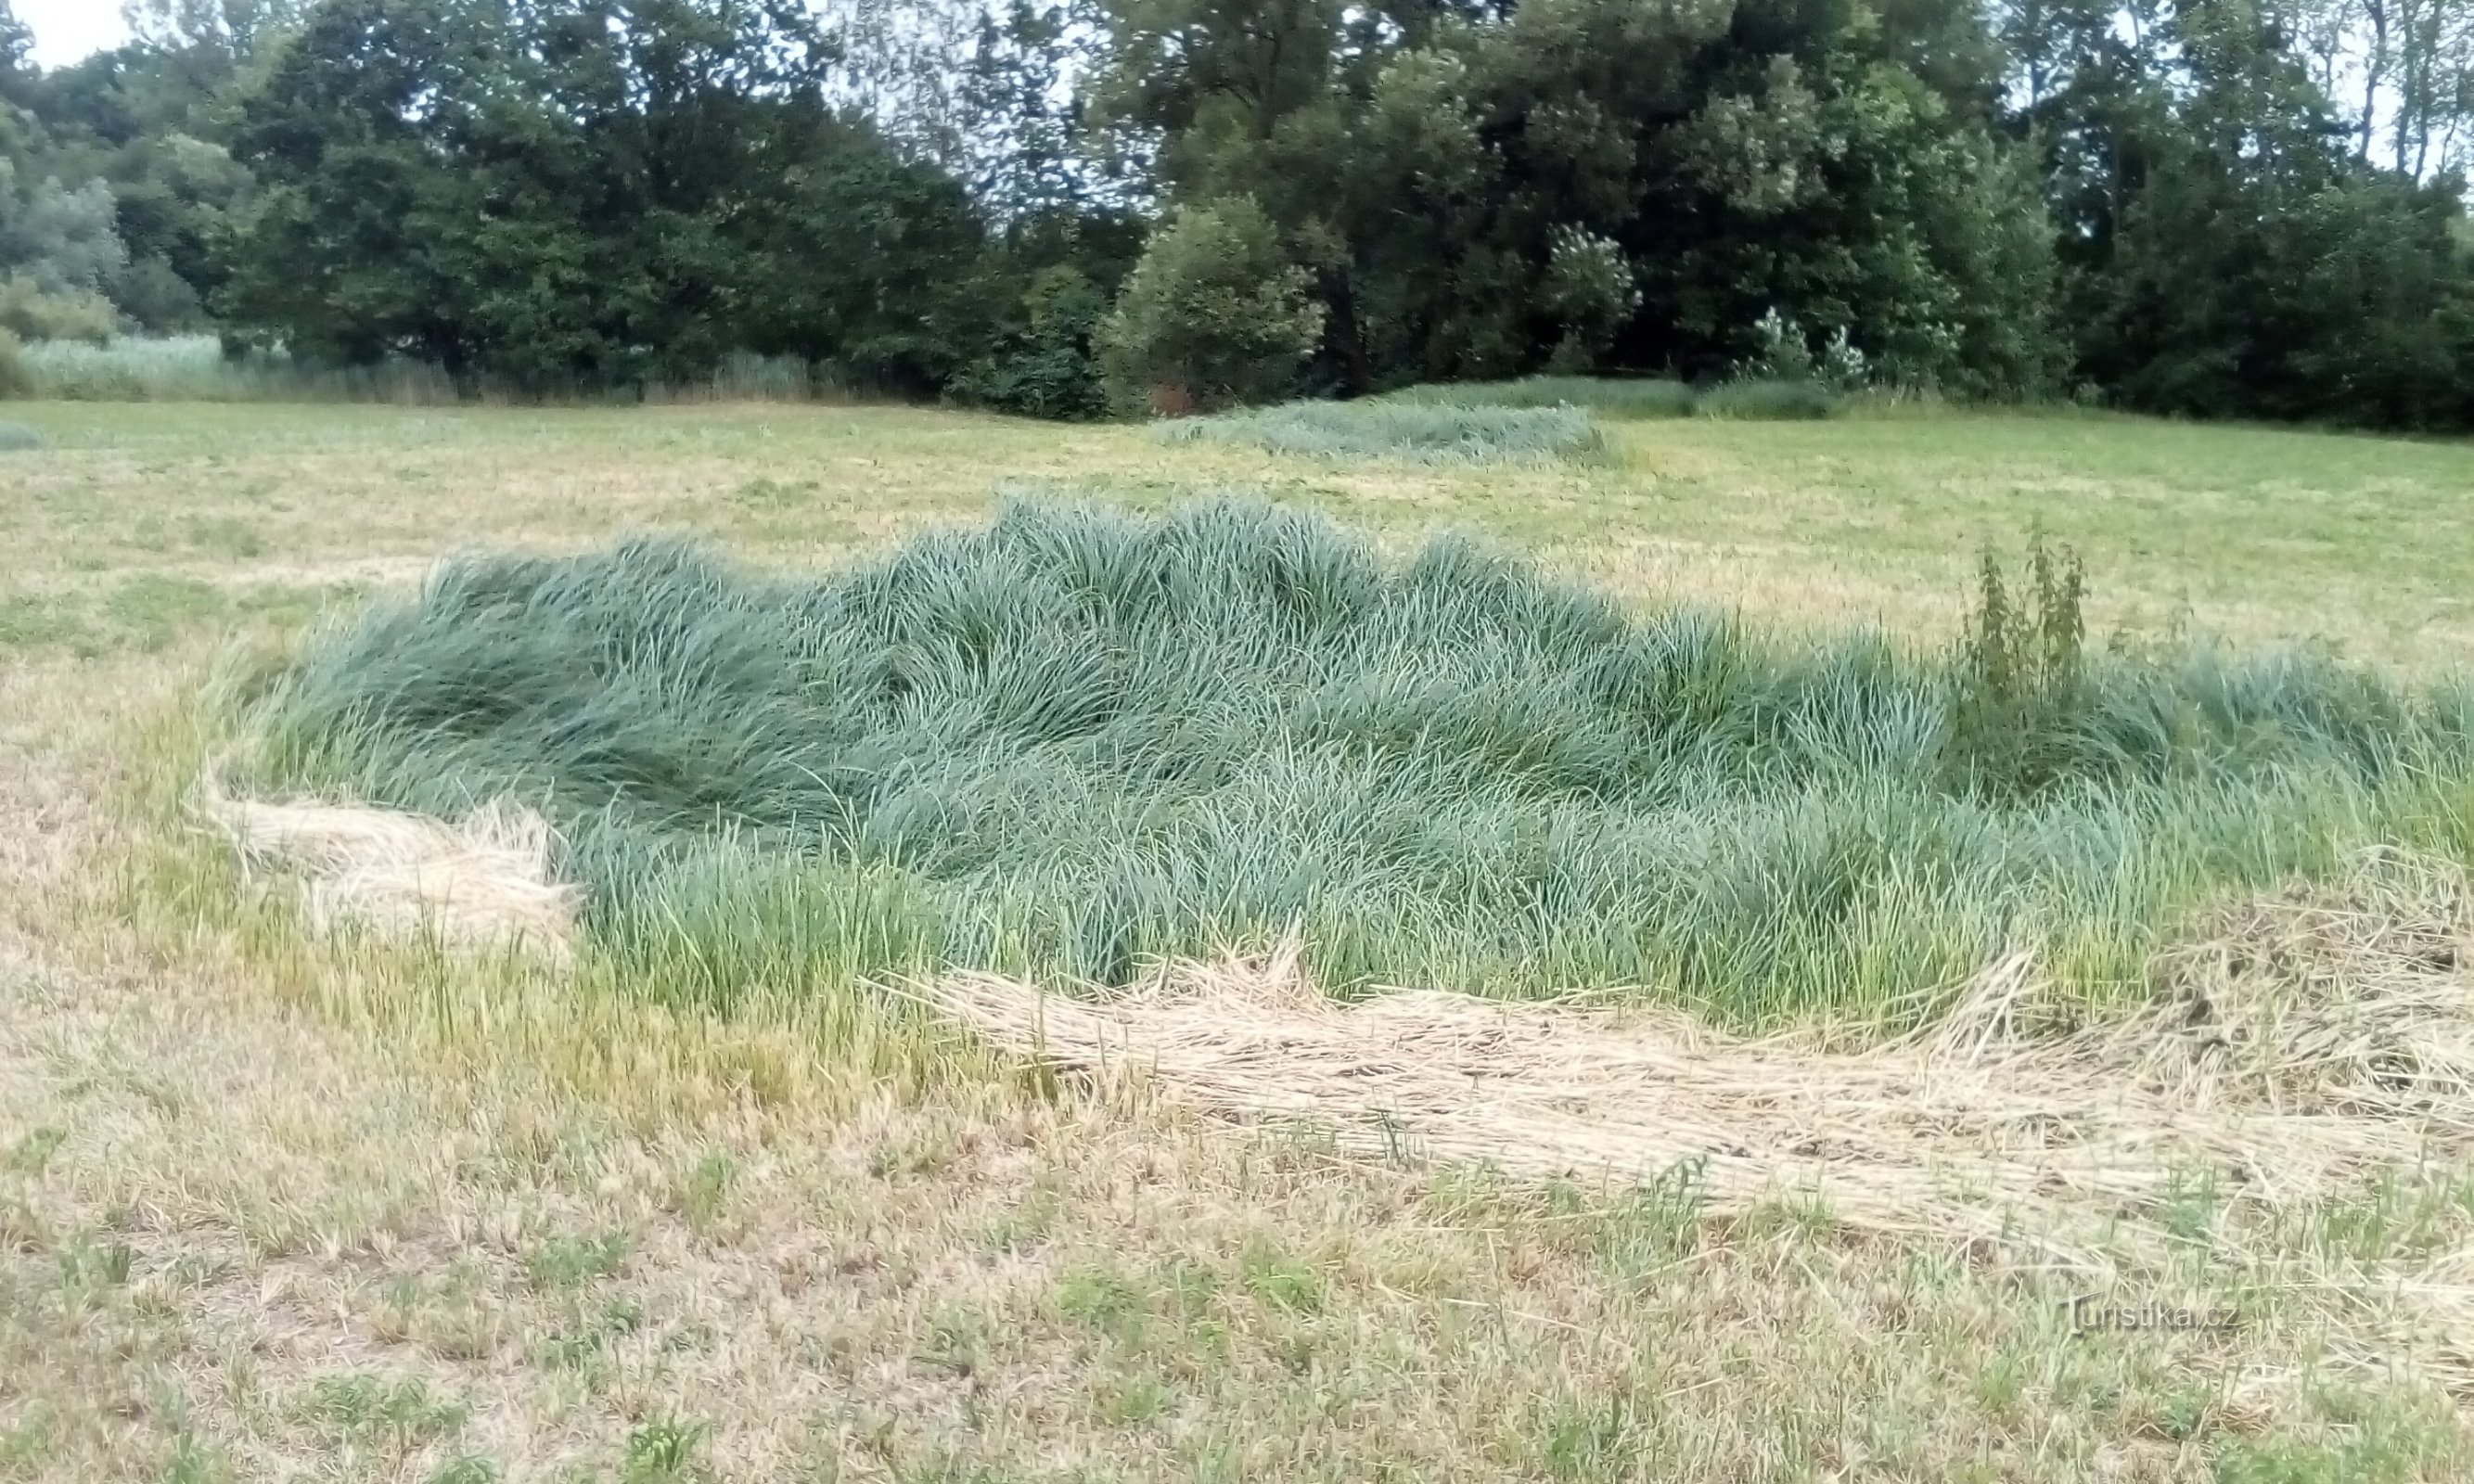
<point x="67" y="30"/>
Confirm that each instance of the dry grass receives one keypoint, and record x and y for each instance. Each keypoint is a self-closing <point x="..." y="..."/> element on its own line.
<point x="278" y="1207"/>
<point x="480" y="881"/>
<point x="2309" y="1047"/>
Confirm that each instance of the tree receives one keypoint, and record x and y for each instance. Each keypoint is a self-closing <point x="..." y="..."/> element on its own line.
<point x="1211" y="315"/>
<point x="588" y="192"/>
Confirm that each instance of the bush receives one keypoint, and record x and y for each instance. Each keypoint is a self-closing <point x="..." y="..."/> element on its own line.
<point x="1607" y="396"/>
<point x="15" y="380"/>
<point x="1046" y="368"/>
<point x="1072" y="741"/>
<point x="32" y="314"/>
<point x="18" y="438"/>
<point x="1212" y="316"/>
<point x="1423" y="435"/>
<point x="1777" y="401"/>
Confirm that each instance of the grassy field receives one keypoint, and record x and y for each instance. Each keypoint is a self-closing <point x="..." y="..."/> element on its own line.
<point x="274" y="1207"/>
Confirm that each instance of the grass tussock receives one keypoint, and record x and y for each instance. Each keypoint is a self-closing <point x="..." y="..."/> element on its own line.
<point x="1075" y="743"/>
<point x="18" y="438"/>
<point x="1607" y="396"/>
<point x="1633" y="399"/>
<point x="196" y="368"/>
<point x="1771" y="401"/>
<point x="1416" y="432"/>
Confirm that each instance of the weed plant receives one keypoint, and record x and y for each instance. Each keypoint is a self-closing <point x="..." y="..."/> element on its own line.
<point x="1074" y="739"/>
<point x="1416" y="432"/>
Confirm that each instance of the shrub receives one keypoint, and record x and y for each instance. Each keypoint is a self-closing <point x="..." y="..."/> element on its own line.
<point x="32" y="314"/>
<point x="1591" y="291"/>
<point x="17" y="438"/>
<point x="1424" y="434"/>
<point x="1768" y="401"/>
<point x="1213" y="315"/>
<point x="1046" y="368"/>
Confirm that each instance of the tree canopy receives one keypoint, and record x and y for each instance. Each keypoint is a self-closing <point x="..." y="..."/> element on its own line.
<point x="2217" y="207"/>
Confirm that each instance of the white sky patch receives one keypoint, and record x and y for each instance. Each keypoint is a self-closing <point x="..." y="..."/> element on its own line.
<point x="69" y="30"/>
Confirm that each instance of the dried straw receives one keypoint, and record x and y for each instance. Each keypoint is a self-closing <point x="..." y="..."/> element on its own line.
<point x="486" y="880"/>
<point x="2310" y="1042"/>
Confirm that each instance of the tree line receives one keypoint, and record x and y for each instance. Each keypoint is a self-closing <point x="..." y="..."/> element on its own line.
<point x="1070" y="208"/>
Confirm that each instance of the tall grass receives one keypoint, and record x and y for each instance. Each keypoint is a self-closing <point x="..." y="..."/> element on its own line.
<point x="194" y="368"/>
<point x="1631" y="397"/>
<point x="1075" y="739"/>
<point x="1605" y="395"/>
<point x="1419" y="433"/>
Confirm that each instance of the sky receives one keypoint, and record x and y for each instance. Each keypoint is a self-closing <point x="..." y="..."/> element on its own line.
<point x="66" y="31"/>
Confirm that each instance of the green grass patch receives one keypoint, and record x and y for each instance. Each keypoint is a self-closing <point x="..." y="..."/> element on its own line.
<point x="1072" y="741"/>
<point x="1416" y="432"/>
<point x="156" y="608"/>
<point x="37" y="622"/>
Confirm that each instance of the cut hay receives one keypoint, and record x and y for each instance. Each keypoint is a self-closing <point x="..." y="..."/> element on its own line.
<point x="481" y="883"/>
<point x="2311" y="1044"/>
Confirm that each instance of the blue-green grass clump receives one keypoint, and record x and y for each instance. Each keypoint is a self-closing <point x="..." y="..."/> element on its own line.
<point x="18" y="438"/>
<point x="1607" y="397"/>
<point x="1075" y="739"/>
<point x="1414" y="433"/>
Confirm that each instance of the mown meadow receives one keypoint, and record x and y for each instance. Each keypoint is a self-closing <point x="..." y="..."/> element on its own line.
<point x="1713" y="714"/>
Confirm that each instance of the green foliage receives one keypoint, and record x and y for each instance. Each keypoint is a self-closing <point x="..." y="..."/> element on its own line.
<point x="1212" y="316"/>
<point x="1589" y="290"/>
<point x="1420" y="433"/>
<point x="31" y="313"/>
<point x="1046" y="368"/>
<point x="2226" y="255"/>
<point x="1595" y="180"/>
<point x="1782" y="353"/>
<point x="667" y="192"/>
<point x="1073" y="739"/>
<point x="18" y="438"/>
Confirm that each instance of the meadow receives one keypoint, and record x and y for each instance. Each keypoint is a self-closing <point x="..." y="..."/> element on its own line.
<point x="280" y="1204"/>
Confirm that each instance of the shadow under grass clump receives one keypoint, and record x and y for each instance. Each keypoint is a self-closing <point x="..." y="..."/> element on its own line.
<point x="1420" y="434"/>
<point x="1076" y="740"/>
